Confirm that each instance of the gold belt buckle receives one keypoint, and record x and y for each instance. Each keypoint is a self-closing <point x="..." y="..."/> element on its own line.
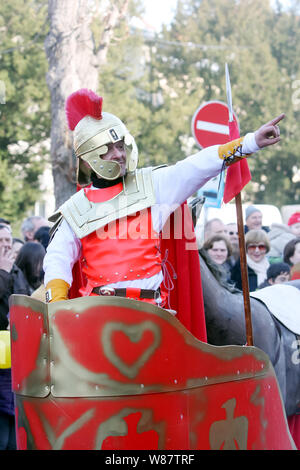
<point x="107" y="291"/>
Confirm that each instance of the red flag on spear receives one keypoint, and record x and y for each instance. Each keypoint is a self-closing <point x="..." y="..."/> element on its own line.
<point x="238" y="175"/>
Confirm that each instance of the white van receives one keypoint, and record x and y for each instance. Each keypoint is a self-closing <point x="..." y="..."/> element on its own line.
<point x="227" y="213"/>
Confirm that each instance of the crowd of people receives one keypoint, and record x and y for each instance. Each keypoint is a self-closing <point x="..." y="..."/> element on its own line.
<point x="272" y="253"/>
<point x="21" y="272"/>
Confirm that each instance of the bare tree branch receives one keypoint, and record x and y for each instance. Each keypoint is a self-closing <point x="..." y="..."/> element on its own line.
<point x="114" y="16"/>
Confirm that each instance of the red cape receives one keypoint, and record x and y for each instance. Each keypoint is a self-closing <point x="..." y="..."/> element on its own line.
<point x="186" y="297"/>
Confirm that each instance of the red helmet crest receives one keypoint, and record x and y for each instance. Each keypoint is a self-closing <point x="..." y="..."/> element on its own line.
<point x="83" y="103"/>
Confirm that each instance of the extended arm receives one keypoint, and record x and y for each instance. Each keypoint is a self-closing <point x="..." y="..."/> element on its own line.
<point x="176" y="183"/>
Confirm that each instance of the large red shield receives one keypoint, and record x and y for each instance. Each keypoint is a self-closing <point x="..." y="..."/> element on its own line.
<point x="112" y="373"/>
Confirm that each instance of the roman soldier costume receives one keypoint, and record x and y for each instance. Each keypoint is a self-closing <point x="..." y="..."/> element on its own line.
<point x="114" y="223"/>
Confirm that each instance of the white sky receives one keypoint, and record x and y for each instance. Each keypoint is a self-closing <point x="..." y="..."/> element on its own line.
<point x="161" y="11"/>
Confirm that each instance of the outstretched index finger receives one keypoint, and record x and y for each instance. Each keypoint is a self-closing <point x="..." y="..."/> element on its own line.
<point x="274" y="121"/>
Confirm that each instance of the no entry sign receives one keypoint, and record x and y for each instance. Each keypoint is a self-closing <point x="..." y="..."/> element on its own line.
<point x="210" y="124"/>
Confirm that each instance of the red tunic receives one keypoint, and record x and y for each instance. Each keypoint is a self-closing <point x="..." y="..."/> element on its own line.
<point x="124" y="250"/>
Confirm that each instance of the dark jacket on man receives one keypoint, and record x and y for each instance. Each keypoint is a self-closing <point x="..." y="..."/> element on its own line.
<point x="10" y="283"/>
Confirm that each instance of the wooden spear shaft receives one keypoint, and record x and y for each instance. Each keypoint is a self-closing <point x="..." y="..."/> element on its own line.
<point x="244" y="270"/>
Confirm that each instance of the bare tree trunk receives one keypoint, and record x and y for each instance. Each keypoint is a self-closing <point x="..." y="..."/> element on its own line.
<point x="73" y="64"/>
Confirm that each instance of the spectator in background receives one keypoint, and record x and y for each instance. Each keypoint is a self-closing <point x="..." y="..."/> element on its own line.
<point x="5" y="222"/>
<point x="214" y="227"/>
<point x="16" y="246"/>
<point x="30" y="261"/>
<point x="233" y="236"/>
<point x="42" y="235"/>
<point x="253" y="218"/>
<point x="291" y="253"/>
<point x="11" y="278"/>
<point x="279" y="235"/>
<point x="277" y="273"/>
<point x="31" y="225"/>
<point x="12" y="281"/>
<point x="294" y="224"/>
<point x="257" y="247"/>
<point x="292" y="250"/>
<point x="219" y="250"/>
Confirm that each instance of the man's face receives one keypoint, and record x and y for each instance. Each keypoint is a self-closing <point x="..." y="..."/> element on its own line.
<point x="217" y="228"/>
<point x="116" y="152"/>
<point x="38" y="223"/>
<point x="5" y="239"/>
<point x="232" y="234"/>
<point x="254" y="221"/>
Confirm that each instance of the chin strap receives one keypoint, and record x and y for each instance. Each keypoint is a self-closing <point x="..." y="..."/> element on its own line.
<point x="232" y="152"/>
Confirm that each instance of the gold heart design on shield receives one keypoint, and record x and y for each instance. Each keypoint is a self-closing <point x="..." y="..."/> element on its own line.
<point x="134" y="333"/>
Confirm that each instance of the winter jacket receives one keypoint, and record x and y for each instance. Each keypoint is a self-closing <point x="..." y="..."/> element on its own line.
<point x="10" y="283"/>
<point x="264" y="227"/>
<point x="236" y="277"/>
<point x="279" y="236"/>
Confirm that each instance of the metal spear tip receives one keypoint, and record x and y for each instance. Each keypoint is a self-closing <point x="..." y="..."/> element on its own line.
<point x="228" y="92"/>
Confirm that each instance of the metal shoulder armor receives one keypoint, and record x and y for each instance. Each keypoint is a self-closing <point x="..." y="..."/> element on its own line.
<point x="85" y="216"/>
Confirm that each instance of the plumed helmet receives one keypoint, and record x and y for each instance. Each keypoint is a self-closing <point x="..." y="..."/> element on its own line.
<point x="93" y="131"/>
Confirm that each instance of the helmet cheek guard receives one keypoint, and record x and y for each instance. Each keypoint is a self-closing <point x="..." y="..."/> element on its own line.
<point x="131" y="152"/>
<point x="108" y="170"/>
<point x="83" y="173"/>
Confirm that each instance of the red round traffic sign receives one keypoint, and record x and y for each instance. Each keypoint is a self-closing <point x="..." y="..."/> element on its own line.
<point x="210" y="124"/>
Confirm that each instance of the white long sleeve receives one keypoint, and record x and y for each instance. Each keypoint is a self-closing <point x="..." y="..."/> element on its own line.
<point x="62" y="253"/>
<point x="172" y="185"/>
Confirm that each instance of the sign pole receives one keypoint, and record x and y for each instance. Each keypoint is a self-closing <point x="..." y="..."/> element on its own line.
<point x="241" y="232"/>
